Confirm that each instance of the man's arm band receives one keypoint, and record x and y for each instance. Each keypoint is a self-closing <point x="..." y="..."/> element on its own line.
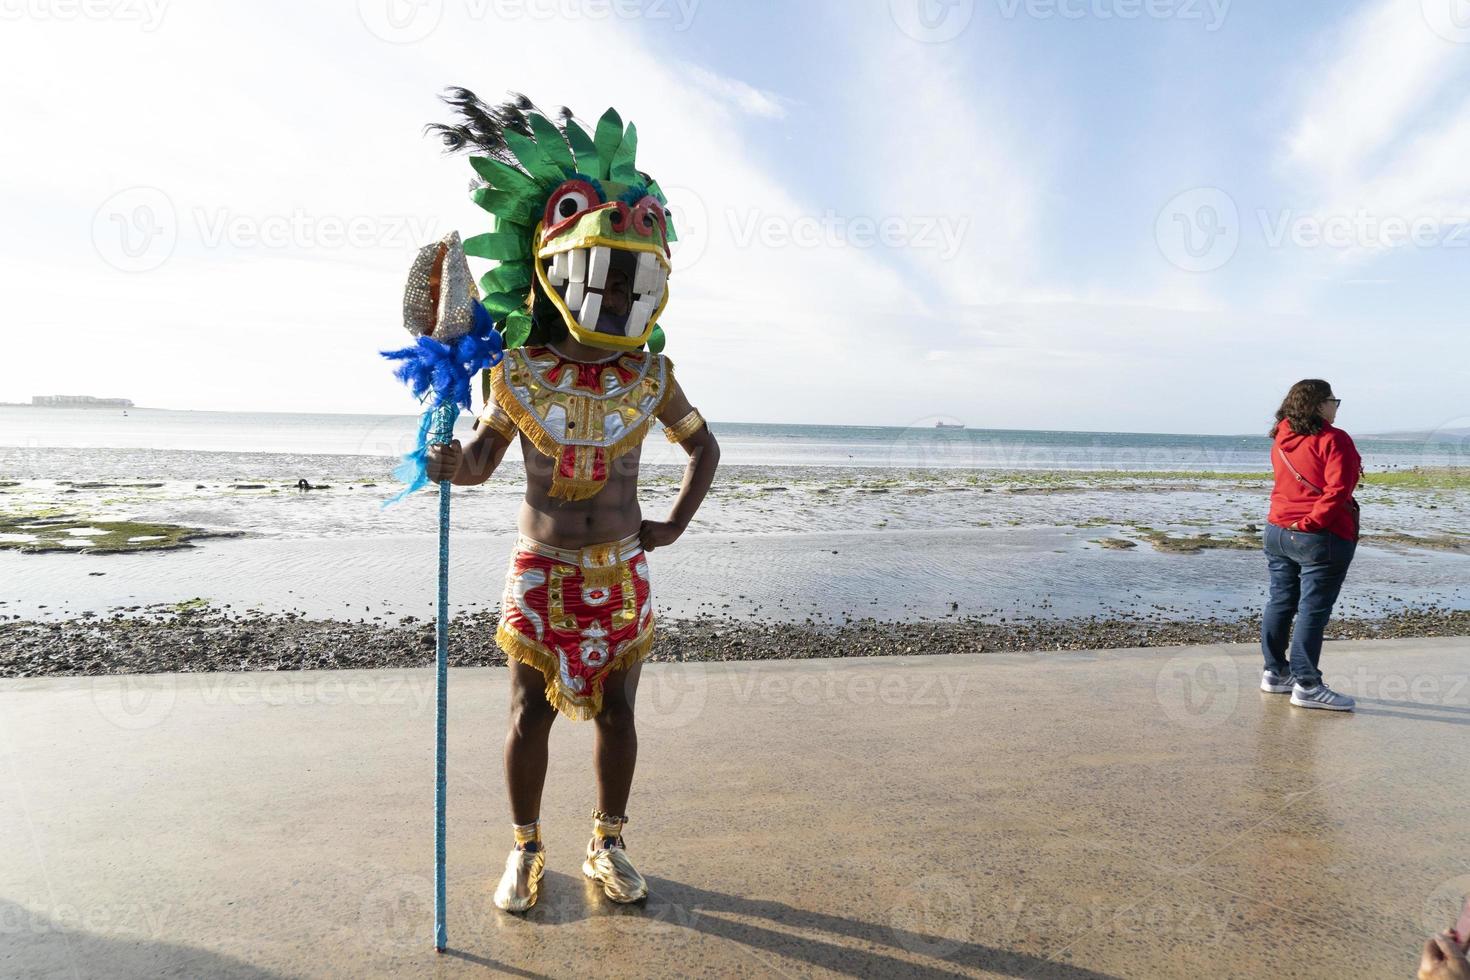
<point x="500" y="422"/>
<point x="685" y="427"/>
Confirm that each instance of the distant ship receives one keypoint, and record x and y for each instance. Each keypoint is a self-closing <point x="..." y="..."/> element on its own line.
<point x="949" y="425"/>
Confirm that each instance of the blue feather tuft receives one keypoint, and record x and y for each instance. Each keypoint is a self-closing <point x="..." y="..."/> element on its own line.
<point x="438" y="373"/>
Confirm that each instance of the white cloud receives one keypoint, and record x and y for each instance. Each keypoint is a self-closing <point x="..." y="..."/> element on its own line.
<point x="334" y="138"/>
<point x="937" y="144"/>
<point x="1385" y="66"/>
<point x="744" y="97"/>
<point x="1383" y="130"/>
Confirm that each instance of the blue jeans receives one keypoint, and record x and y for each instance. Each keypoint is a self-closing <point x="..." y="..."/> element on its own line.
<point x="1307" y="571"/>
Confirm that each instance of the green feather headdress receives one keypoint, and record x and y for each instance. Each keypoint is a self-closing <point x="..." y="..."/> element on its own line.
<point x="522" y="157"/>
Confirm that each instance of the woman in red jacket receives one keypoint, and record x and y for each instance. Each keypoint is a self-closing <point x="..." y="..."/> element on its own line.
<point x="1311" y="536"/>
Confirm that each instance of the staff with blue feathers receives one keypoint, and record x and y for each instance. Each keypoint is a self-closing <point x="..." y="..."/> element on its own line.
<point x="455" y="339"/>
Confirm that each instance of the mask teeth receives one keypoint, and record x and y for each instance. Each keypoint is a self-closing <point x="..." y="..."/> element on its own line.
<point x="599" y="262"/>
<point x="561" y="266"/>
<point x="577" y="267"/>
<point x="591" y="309"/>
<point x="647" y="274"/>
<point x="574" y="294"/>
<point x="638" y="315"/>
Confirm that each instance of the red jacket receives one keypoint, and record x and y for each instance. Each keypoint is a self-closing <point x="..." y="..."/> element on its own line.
<point x="1329" y="461"/>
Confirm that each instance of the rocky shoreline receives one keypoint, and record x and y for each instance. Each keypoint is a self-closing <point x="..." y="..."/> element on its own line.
<point x="198" y="640"/>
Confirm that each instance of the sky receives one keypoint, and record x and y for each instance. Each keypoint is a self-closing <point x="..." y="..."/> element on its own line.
<point x="1105" y="215"/>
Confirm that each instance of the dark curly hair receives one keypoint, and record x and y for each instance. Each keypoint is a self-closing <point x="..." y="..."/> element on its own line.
<point x="1301" y="408"/>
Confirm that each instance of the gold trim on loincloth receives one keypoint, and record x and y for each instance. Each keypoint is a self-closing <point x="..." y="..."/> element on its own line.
<point x="601" y="565"/>
<point x="522" y="648"/>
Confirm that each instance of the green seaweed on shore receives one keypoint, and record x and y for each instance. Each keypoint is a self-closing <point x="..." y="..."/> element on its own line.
<point x="1423" y="478"/>
<point x="1115" y="544"/>
<point x="1190" y="544"/>
<point x="56" y="531"/>
<point x="1433" y="542"/>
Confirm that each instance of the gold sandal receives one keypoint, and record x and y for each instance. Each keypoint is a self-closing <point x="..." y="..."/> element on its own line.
<point x="520" y="885"/>
<point x="608" y="863"/>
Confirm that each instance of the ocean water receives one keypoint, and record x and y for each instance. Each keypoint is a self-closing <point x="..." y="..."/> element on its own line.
<point x="277" y="438"/>
<point x="822" y="521"/>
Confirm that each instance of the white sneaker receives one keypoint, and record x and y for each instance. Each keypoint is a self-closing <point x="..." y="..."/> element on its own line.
<point x="1274" y="683"/>
<point x="1321" y="696"/>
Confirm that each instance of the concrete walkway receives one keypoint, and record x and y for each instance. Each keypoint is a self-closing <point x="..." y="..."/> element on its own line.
<point x="1120" y="814"/>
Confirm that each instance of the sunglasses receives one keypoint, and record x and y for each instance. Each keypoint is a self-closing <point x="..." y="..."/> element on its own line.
<point x="1335" y="401"/>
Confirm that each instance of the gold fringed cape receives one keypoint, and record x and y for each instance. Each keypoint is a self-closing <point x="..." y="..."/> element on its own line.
<point x="583" y="416"/>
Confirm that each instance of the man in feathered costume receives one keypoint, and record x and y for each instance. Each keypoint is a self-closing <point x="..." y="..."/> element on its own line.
<point x="582" y="241"/>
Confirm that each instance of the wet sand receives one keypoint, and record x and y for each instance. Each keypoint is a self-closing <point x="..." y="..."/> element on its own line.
<point x="1080" y="815"/>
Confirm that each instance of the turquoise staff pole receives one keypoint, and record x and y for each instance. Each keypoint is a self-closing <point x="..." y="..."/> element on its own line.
<point x="441" y="432"/>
